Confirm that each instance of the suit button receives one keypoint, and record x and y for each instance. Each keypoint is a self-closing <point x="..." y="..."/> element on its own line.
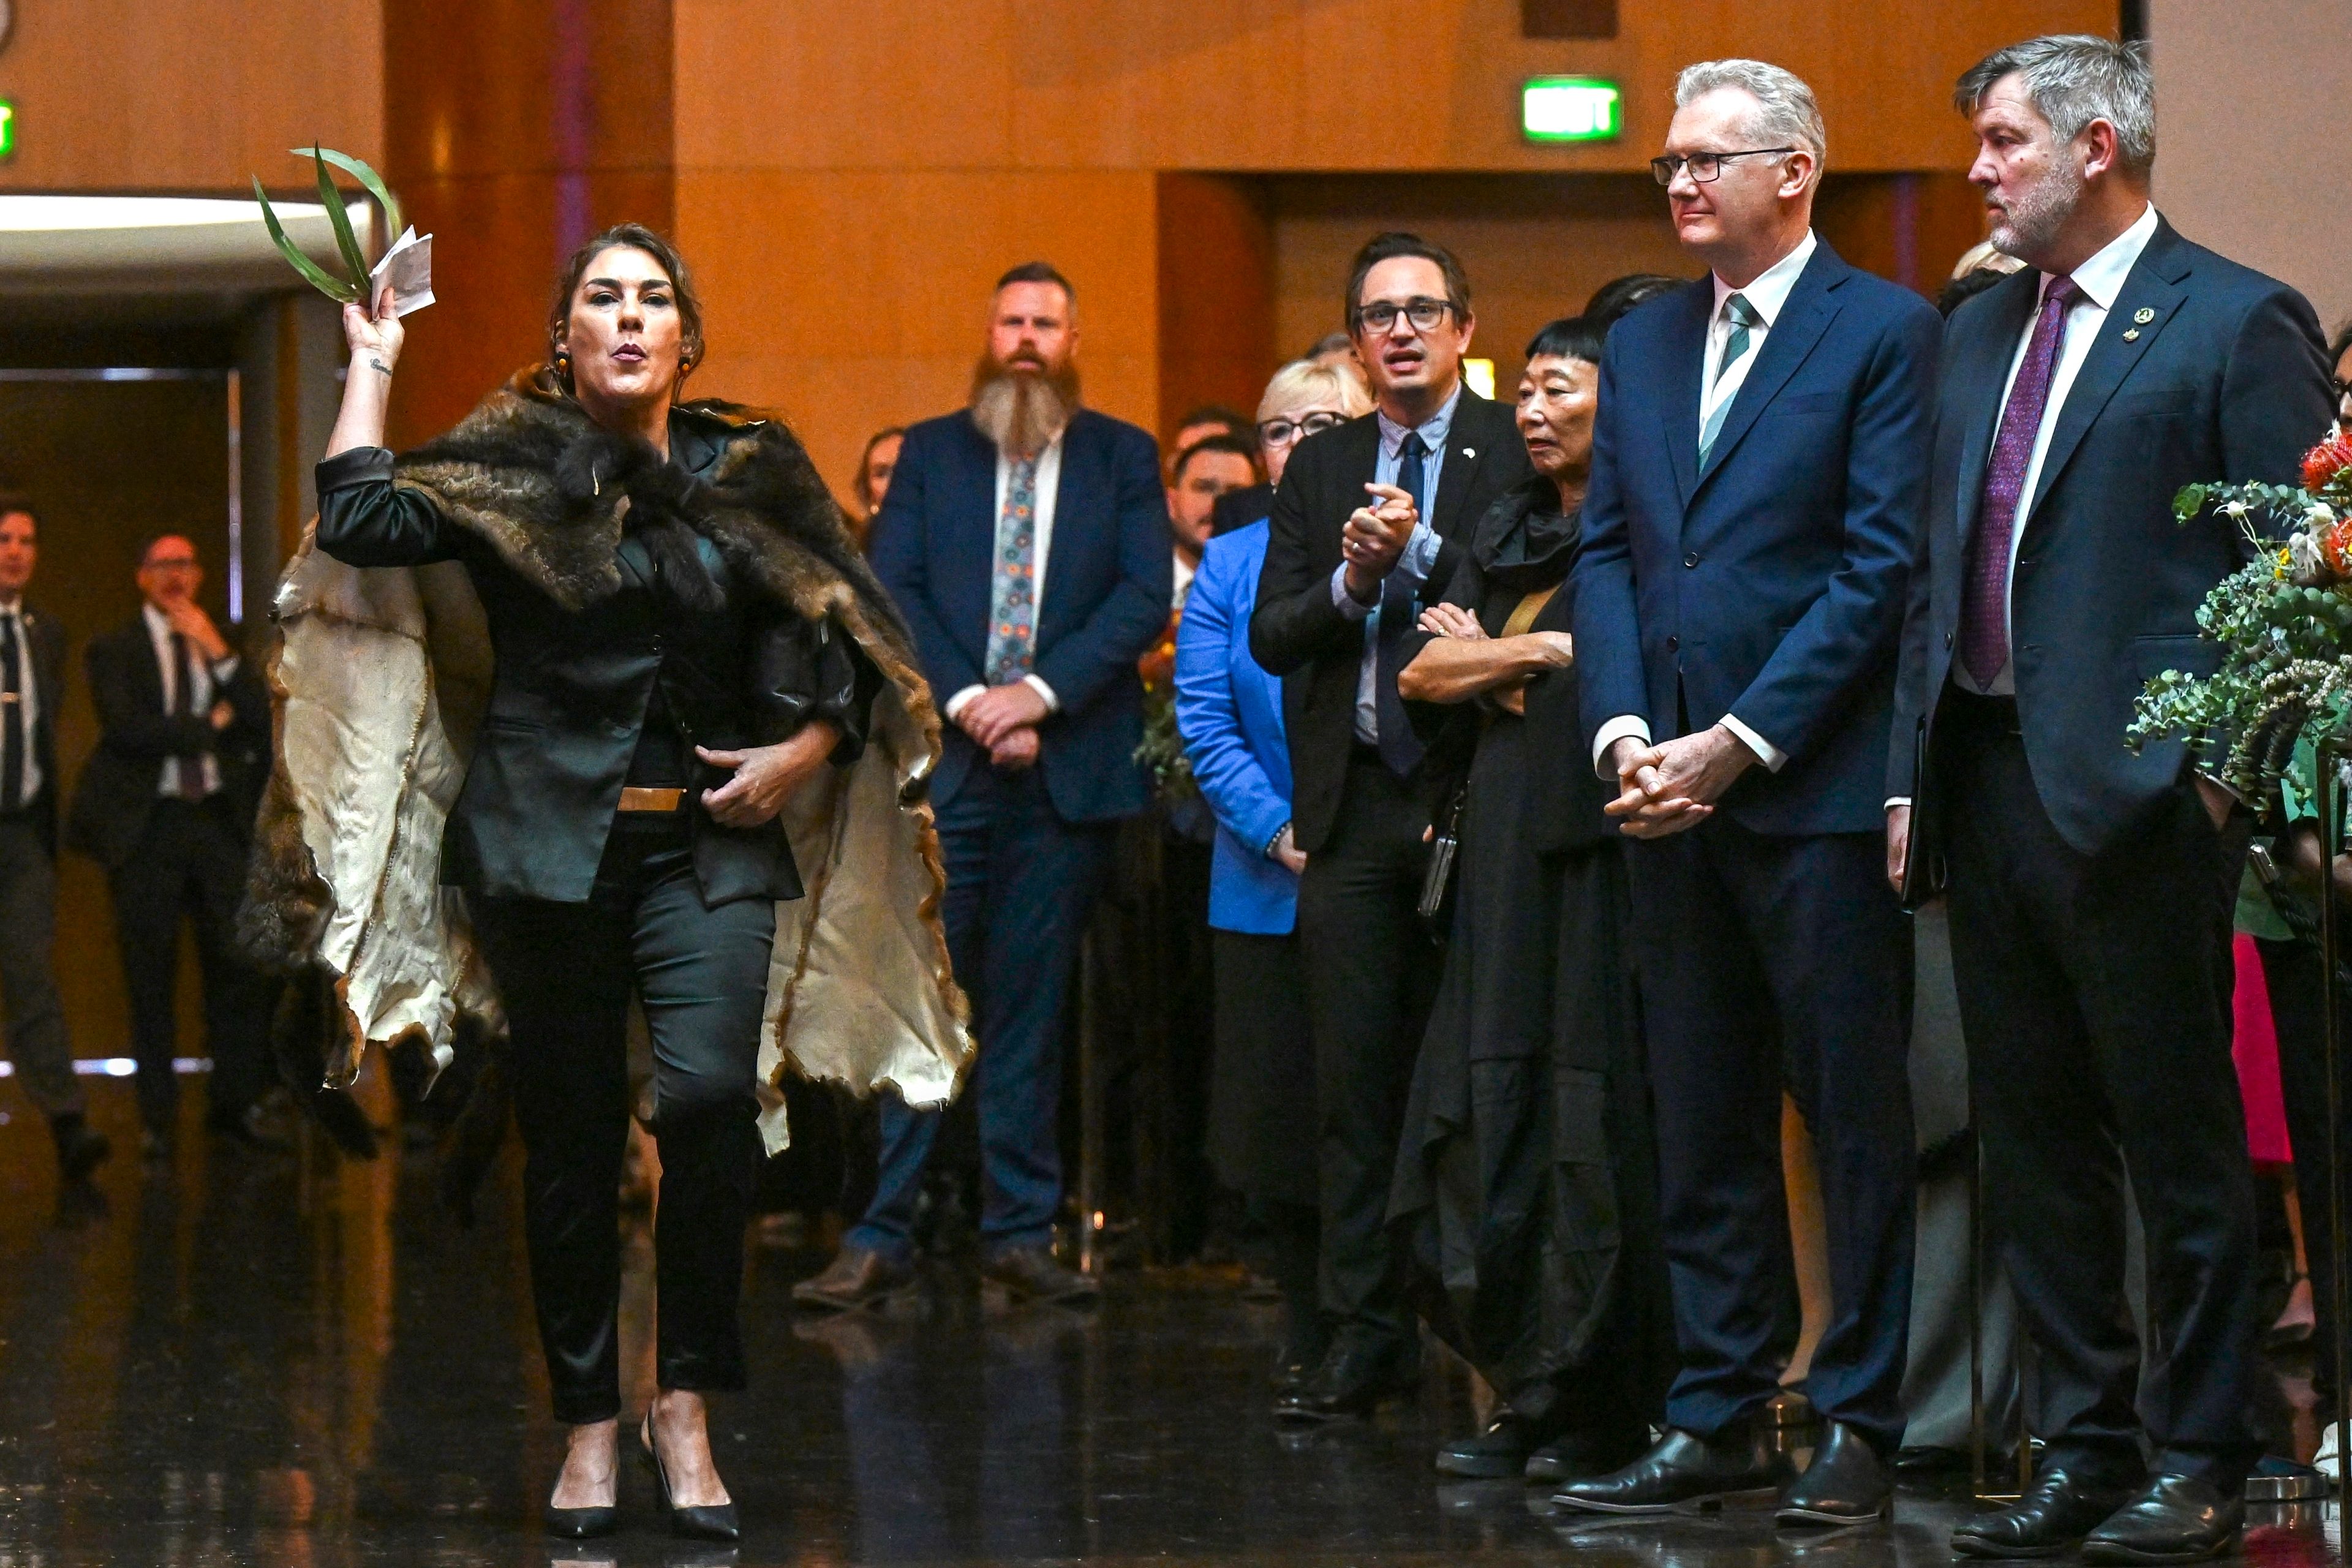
<point x="1674" y="644"/>
<point x="1692" y="559"/>
<point x="1947" y="640"/>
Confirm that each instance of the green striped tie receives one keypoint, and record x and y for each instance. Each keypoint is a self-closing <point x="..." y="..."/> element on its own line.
<point x="1743" y="318"/>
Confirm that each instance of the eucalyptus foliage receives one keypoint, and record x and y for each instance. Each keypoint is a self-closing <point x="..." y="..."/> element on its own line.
<point x="343" y="291"/>
<point x="2283" y="622"/>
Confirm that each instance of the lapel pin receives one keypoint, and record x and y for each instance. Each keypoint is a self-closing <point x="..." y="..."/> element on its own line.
<point x="1469" y="451"/>
<point x="2145" y="316"/>
<point x="2131" y="334"/>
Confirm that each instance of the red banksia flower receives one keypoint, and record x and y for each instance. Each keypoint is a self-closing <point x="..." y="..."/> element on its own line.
<point x="2327" y="461"/>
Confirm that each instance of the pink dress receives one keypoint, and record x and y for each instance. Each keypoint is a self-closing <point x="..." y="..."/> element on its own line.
<point x="2254" y="1046"/>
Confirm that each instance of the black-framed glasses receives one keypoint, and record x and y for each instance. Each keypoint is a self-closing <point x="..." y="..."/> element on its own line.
<point x="1706" y="167"/>
<point x="1283" y="432"/>
<point x="1423" y="312"/>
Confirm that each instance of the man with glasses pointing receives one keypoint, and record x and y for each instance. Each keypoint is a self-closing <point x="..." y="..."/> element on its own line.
<point x="1759" y="471"/>
<point x="1368" y="520"/>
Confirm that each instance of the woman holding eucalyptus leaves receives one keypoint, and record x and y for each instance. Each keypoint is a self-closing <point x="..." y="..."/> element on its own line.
<point x="701" y="698"/>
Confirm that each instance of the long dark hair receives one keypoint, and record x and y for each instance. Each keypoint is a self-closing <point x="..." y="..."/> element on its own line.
<point x="635" y="237"/>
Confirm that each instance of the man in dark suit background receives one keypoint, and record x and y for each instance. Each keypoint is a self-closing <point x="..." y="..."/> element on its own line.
<point x="165" y="805"/>
<point x="1368" y="523"/>
<point x="1025" y="541"/>
<point x="1759" y="467"/>
<point x="2091" y="887"/>
<point x="32" y="684"/>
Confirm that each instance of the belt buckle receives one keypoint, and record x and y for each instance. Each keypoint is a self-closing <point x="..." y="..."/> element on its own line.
<point x="634" y="799"/>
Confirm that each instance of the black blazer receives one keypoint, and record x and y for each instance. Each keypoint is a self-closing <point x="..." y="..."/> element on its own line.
<point x="118" y="788"/>
<point x="573" y="688"/>
<point x="47" y="643"/>
<point x="1299" y="635"/>
<point x="2225" y="380"/>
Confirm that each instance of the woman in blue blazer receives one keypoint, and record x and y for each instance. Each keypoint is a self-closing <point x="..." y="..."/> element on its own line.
<point x="1262" y="1095"/>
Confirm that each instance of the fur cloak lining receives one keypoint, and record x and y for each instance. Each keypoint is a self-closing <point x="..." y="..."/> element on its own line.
<point x="381" y="675"/>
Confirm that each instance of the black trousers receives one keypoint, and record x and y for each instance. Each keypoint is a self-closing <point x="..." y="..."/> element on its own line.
<point x="37" y="1043"/>
<point x="1372" y="974"/>
<point x="565" y="973"/>
<point x="2095" y="995"/>
<point x="1765" y="961"/>
<point x="190" y="864"/>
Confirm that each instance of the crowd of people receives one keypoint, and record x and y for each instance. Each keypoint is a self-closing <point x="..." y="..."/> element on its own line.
<point x="1576" y="778"/>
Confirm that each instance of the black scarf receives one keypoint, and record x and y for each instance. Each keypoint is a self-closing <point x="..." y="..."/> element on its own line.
<point x="1524" y="543"/>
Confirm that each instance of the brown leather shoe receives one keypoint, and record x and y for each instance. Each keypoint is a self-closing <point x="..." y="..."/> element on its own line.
<point x="1032" y="1273"/>
<point x="854" y="1279"/>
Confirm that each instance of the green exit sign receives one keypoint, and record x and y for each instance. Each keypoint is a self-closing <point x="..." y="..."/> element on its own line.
<point x="7" y="129"/>
<point x="1570" y="109"/>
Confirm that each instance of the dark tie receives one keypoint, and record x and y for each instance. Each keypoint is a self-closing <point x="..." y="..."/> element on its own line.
<point x="188" y="773"/>
<point x="1400" y="747"/>
<point x="1984" y="609"/>
<point x="12" y="718"/>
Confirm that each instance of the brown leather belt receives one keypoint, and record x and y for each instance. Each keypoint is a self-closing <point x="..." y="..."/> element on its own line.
<point x="634" y="799"/>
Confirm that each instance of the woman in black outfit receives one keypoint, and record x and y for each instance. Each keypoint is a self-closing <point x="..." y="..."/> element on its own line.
<point x="1525" y="1185"/>
<point x="656" y="702"/>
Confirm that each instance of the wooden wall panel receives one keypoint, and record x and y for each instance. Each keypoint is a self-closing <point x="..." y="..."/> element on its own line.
<point x="1287" y="84"/>
<point x="514" y="131"/>
<point x="196" y="95"/>
<point x="1216" y="295"/>
<point x="852" y="299"/>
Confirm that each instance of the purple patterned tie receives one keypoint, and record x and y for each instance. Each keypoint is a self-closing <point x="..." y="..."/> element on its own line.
<point x="1984" y="612"/>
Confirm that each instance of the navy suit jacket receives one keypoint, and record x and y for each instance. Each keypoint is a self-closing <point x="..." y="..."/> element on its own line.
<point x="1771" y="585"/>
<point x="1109" y="576"/>
<point x="2225" y="380"/>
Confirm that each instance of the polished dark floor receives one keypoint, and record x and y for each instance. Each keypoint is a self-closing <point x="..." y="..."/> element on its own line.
<point x="277" y="1360"/>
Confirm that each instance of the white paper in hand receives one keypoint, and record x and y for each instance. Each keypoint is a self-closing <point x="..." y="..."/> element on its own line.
<point x="408" y="268"/>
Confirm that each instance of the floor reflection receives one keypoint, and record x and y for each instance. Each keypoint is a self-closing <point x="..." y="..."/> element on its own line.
<point x="264" y="1361"/>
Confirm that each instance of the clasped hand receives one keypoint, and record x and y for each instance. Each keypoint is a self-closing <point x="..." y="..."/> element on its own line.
<point x="1374" y="536"/>
<point x="766" y="776"/>
<point x="1672" y="786"/>
<point x="1004" y="720"/>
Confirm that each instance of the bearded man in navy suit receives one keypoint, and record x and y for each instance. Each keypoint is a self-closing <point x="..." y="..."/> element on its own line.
<point x="1025" y="541"/>
<point x="1759" y="467"/>
<point x="2091" y="886"/>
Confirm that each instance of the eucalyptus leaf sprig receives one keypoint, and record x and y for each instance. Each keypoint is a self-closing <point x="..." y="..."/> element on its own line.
<point x="342" y="290"/>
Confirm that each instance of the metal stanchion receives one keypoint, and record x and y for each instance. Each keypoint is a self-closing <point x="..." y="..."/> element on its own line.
<point x="1978" y="1480"/>
<point x="2329" y="791"/>
<point x="1090" y="1107"/>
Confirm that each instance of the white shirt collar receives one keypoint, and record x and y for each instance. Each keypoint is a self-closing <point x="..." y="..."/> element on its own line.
<point x="159" y="625"/>
<point x="13" y="607"/>
<point x="2101" y="278"/>
<point x="1769" y="292"/>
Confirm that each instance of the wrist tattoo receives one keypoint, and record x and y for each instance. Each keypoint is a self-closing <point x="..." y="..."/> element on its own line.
<point x="378" y="364"/>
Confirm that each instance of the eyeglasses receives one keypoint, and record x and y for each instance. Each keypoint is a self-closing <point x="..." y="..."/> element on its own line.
<point x="1283" y="432"/>
<point x="1425" y="313"/>
<point x="1706" y="167"/>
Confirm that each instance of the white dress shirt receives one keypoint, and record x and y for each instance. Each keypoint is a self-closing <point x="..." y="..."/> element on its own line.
<point x="28" y="700"/>
<point x="203" y="676"/>
<point x="1768" y="296"/>
<point x="1185" y="572"/>
<point x="1418" y="559"/>
<point x="2100" y="279"/>
<point x="1041" y="527"/>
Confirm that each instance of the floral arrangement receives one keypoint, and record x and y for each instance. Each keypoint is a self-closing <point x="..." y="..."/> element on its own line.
<point x="1163" y="750"/>
<point x="2283" y="621"/>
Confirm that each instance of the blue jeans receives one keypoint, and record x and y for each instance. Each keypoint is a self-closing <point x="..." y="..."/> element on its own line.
<point x="1021" y="886"/>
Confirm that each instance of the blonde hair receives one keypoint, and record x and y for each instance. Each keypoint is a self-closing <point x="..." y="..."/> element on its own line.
<point x="1307" y="381"/>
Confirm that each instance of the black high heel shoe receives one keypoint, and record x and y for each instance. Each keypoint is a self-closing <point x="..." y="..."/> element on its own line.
<point x="582" y="1523"/>
<point x="711" y="1521"/>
